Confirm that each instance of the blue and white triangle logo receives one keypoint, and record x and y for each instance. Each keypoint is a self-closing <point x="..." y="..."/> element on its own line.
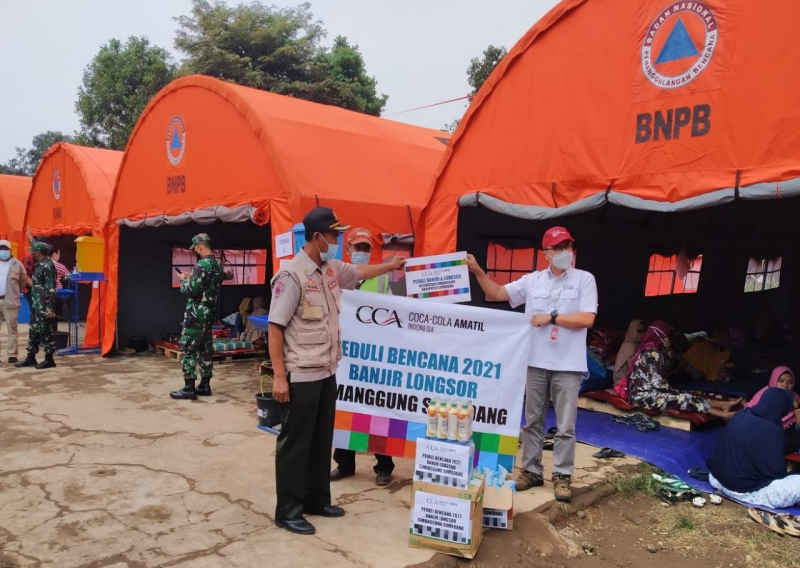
<point x="678" y="45"/>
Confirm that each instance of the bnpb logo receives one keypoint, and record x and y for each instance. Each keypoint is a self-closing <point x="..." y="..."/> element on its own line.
<point x="679" y="44"/>
<point x="56" y="183"/>
<point x="378" y="316"/>
<point x="176" y="140"/>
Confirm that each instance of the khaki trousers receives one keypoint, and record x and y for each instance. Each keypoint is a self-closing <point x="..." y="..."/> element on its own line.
<point x="9" y="315"/>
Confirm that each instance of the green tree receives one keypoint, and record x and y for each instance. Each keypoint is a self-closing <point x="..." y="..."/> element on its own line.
<point x="481" y="67"/>
<point x="27" y="160"/>
<point x="278" y="50"/>
<point x="478" y="71"/>
<point x="117" y="85"/>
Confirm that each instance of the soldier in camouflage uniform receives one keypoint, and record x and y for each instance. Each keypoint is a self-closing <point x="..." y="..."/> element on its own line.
<point x="202" y="288"/>
<point x="43" y="299"/>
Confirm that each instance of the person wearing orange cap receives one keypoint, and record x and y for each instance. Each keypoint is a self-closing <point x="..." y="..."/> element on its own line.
<point x="562" y="304"/>
<point x="359" y="246"/>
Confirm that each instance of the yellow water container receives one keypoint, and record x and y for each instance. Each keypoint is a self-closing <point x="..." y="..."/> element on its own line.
<point x="91" y="251"/>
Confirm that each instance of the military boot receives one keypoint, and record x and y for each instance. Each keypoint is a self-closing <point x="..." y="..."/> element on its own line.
<point x="29" y="361"/>
<point x="48" y="363"/>
<point x="204" y="388"/>
<point x="187" y="392"/>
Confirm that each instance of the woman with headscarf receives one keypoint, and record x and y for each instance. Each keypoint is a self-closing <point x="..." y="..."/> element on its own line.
<point x="646" y="385"/>
<point x="783" y="378"/>
<point x="748" y="461"/>
<point x="633" y="336"/>
<point x="258" y="308"/>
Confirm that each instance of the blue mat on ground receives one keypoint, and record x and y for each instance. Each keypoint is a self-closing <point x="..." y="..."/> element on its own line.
<point x="674" y="451"/>
<point x="744" y="389"/>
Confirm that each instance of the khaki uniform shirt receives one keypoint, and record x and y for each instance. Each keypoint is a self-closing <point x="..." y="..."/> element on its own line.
<point x="305" y="302"/>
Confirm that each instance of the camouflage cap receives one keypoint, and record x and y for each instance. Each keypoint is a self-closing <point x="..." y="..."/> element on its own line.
<point x="200" y="238"/>
<point x="41" y="247"/>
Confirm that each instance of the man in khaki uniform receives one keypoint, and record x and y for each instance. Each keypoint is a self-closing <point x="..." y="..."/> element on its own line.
<point x="305" y="348"/>
<point x="13" y="280"/>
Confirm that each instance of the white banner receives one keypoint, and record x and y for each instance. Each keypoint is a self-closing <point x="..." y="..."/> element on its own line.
<point x="398" y="353"/>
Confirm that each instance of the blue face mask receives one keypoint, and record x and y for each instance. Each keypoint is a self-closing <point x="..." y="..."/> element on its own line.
<point x="5" y="254"/>
<point x="359" y="257"/>
<point x="330" y="254"/>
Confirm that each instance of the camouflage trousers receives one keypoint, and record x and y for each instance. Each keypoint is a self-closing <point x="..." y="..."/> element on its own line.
<point x="197" y="350"/>
<point x="41" y="334"/>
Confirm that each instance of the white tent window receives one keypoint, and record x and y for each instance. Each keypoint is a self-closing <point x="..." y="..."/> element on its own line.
<point x="763" y="274"/>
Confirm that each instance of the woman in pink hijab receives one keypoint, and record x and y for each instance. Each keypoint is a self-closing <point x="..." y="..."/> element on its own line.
<point x="783" y="377"/>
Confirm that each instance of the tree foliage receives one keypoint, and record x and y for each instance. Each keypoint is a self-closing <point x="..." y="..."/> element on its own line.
<point x="481" y="67"/>
<point x="116" y="87"/>
<point x="276" y="49"/>
<point x="27" y="160"/>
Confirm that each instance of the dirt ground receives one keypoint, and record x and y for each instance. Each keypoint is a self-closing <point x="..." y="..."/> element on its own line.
<point x="100" y="468"/>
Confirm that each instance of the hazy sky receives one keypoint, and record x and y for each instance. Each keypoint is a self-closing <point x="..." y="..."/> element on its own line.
<point x="417" y="49"/>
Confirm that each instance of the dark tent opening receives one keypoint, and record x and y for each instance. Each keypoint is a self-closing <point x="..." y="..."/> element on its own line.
<point x="615" y="244"/>
<point x="150" y="305"/>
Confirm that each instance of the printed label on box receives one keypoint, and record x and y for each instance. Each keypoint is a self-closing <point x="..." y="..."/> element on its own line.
<point x="441" y="517"/>
<point x="445" y="463"/>
<point x="495" y="518"/>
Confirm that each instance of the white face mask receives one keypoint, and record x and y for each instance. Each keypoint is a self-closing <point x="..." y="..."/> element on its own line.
<point x="562" y="259"/>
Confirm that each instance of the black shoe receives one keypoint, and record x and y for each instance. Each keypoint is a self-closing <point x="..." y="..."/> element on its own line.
<point x="204" y="388"/>
<point x="326" y="511"/>
<point x="383" y="478"/>
<point x="339" y="473"/>
<point x="29" y="361"/>
<point x="12" y="359"/>
<point x="48" y="363"/>
<point x="299" y="526"/>
<point x="187" y="392"/>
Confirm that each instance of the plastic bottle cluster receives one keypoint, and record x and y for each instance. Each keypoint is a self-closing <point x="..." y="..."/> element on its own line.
<point x="450" y="420"/>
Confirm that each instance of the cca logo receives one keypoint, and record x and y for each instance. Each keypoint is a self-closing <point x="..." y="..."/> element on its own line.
<point x="379" y="316"/>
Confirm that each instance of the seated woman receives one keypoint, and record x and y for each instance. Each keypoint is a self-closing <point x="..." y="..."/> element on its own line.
<point x="783" y="378"/>
<point x="251" y="333"/>
<point x="747" y="463"/>
<point x="646" y="385"/>
<point x="633" y="337"/>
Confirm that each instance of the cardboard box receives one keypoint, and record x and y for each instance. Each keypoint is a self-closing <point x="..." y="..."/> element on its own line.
<point x="447" y="519"/>
<point x="498" y="508"/>
<point x="444" y="462"/>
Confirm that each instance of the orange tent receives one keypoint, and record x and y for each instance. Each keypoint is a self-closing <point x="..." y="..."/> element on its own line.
<point x="655" y="105"/>
<point x="70" y="195"/>
<point x="205" y="150"/>
<point x="14" y="192"/>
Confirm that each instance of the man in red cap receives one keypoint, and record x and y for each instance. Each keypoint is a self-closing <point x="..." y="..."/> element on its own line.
<point x="359" y="246"/>
<point x="562" y="303"/>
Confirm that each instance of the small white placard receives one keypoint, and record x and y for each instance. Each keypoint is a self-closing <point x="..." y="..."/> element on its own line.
<point x="444" y="518"/>
<point x="443" y="278"/>
<point x="283" y="245"/>
<point x="445" y="463"/>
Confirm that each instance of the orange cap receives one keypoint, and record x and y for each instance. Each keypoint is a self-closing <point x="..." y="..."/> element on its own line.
<point x="359" y="235"/>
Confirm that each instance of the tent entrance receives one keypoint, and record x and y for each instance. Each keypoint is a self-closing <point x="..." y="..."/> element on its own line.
<point x="149" y="305"/>
<point x="616" y="243"/>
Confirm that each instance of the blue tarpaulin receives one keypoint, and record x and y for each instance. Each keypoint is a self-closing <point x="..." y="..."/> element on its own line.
<point x="674" y="451"/>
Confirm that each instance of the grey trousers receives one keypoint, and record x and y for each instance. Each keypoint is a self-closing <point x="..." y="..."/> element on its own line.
<point x="542" y="386"/>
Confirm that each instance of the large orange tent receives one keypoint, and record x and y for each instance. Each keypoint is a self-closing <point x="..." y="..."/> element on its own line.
<point x="70" y="197"/>
<point x="206" y="151"/>
<point x="14" y="192"/>
<point x="658" y="124"/>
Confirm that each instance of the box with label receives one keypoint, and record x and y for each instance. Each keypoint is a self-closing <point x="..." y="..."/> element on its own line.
<point x="447" y="519"/>
<point x="498" y="508"/>
<point x="444" y="462"/>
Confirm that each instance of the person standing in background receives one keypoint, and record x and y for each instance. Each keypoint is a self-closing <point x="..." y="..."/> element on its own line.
<point x="13" y="280"/>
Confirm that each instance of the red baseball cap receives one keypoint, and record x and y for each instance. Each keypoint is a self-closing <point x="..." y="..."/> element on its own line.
<point x="359" y="235"/>
<point x="554" y="236"/>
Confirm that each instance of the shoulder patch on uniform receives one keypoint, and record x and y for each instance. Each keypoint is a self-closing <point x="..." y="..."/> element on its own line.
<point x="277" y="290"/>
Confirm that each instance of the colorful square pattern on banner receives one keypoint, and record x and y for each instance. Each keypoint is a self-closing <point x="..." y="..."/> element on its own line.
<point x="394" y="437"/>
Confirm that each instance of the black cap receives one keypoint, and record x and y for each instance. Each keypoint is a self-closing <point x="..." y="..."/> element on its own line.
<point x="323" y="220"/>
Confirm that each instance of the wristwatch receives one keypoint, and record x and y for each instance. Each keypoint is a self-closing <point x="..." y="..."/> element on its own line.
<point x="553" y="316"/>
